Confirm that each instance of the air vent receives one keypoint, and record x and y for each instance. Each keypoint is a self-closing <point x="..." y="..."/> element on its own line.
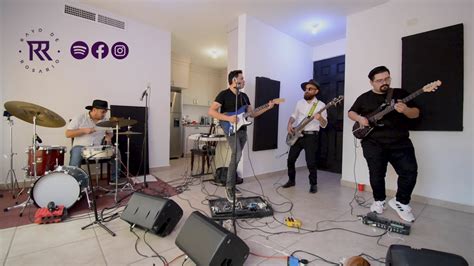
<point x="79" y="12"/>
<point x="111" y="22"/>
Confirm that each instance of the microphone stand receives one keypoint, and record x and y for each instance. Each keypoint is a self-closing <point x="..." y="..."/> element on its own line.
<point x="235" y="159"/>
<point x="145" y="141"/>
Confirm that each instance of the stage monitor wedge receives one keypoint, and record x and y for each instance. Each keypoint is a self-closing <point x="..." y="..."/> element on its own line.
<point x="159" y="215"/>
<point x="208" y="243"/>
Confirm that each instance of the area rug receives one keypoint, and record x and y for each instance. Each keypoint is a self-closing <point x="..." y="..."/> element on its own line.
<point x="12" y="217"/>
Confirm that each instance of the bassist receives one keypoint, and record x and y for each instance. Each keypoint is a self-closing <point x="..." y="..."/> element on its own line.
<point x="307" y="107"/>
<point x="388" y="142"/>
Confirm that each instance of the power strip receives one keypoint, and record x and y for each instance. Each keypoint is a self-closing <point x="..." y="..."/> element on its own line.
<point x="372" y="219"/>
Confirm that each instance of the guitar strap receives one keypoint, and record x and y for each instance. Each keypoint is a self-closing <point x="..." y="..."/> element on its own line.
<point x="388" y="98"/>
<point x="311" y="111"/>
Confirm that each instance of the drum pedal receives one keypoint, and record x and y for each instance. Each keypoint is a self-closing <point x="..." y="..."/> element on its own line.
<point x="45" y="216"/>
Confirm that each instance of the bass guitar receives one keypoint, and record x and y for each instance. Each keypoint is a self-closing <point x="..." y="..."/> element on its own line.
<point x="242" y="115"/>
<point x="361" y="132"/>
<point x="297" y="133"/>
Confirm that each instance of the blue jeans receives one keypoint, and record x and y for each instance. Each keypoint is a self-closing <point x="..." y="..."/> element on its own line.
<point x="236" y="154"/>
<point x="76" y="160"/>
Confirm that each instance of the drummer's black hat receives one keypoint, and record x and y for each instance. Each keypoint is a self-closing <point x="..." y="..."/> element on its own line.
<point x="99" y="104"/>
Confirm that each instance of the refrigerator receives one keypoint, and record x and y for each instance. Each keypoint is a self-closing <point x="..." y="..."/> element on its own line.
<point x="176" y="128"/>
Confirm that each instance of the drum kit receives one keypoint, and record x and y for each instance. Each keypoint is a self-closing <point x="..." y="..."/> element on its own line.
<point x="52" y="181"/>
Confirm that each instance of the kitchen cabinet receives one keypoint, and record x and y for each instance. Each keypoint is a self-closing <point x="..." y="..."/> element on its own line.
<point x="204" y="84"/>
<point x="180" y="72"/>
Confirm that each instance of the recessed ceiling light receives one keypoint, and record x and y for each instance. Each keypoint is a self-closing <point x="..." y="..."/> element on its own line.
<point x="214" y="53"/>
<point x="314" y="28"/>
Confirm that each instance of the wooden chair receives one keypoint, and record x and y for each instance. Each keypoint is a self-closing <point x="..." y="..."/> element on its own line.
<point x="206" y="151"/>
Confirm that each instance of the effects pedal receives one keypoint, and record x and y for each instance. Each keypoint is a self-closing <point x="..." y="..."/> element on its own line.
<point x="292" y="222"/>
<point x="372" y="219"/>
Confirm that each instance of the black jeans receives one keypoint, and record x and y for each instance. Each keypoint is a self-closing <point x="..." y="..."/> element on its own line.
<point x="310" y="145"/>
<point x="401" y="156"/>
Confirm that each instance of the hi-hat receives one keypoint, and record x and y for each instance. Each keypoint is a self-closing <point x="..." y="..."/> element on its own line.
<point x="114" y="121"/>
<point x="129" y="133"/>
<point x="26" y="111"/>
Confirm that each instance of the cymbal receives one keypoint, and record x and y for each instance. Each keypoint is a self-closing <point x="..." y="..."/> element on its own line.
<point x="129" y="133"/>
<point x="26" y="111"/>
<point x="114" y="121"/>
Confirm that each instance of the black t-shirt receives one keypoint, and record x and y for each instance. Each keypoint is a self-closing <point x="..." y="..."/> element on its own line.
<point x="227" y="100"/>
<point x="395" y="125"/>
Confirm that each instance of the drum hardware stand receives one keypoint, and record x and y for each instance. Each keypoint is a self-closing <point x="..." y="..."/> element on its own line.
<point x="94" y="205"/>
<point x="11" y="172"/>
<point x="97" y="171"/>
<point x="28" y="200"/>
<point x="130" y="181"/>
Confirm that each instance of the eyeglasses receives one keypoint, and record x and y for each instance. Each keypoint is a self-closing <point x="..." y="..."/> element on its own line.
<point x="381" y="81"/>
<point x="310" y="89"/>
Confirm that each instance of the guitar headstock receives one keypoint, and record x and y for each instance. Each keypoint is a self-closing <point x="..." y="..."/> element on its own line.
<point x="336" y="100"/>
<point x="278" y="100"/>
<point x="433" y="86"/>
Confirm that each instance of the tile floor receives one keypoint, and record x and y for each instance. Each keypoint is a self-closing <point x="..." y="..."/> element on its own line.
<point x="65" y="243"/>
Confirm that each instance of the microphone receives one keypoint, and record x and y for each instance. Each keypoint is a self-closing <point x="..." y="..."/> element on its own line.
<point x="38" y="139"/>
<point x="145" y="92"/>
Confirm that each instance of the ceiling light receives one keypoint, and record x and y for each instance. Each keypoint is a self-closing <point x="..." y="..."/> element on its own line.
<point x="314" y="28"/>
<point x="214" y="53"/>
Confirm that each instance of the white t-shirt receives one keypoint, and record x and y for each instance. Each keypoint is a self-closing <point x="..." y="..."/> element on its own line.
<point x="302" y="110"/>
<point x="84" y="121"/>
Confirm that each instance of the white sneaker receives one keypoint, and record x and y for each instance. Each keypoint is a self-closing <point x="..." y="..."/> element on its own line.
<point x="378" y="206"/>
<point x="404" y="211"/>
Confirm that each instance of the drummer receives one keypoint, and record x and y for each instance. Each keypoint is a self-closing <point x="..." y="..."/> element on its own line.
<point x="85" y="133"/>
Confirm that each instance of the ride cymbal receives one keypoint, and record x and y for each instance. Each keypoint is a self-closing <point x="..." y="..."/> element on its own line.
<point x="27" y="111"/>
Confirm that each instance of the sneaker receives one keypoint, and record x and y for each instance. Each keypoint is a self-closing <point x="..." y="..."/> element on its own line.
<point x="229" y="194"/>
<point x="378" y="206"/>
<point x="289" y="184"/>
<point x="121" y="181"/>
<point x="404" y="211"/>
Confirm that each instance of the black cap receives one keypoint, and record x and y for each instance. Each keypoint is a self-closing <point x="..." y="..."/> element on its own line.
<point x="99" y="104"/>
<point x="303" y="85"/>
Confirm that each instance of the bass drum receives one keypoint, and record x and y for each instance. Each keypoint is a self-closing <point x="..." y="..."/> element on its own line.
<point x="63" y="186"/>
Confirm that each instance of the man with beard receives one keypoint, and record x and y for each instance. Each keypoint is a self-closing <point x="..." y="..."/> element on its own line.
<point x="305" y="108"/>
<point x="388" y="142"/>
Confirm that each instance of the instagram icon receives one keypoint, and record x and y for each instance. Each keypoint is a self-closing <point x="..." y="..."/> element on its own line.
<point x="119" y="50"/>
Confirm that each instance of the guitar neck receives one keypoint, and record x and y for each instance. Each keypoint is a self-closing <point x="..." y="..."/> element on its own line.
<point x="309" y="119"/>
<point x="256" y="110"/>
<point x="390" y="108"/>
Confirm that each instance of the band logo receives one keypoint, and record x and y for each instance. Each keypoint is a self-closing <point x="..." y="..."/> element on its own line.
<point x="39" y="52"/>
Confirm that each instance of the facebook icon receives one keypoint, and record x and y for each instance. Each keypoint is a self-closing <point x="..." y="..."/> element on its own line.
<point x="100" y="50"/>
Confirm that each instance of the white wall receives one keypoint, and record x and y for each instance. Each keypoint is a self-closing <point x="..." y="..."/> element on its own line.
<point x="73" y="84"/>
<point x="3" y="150"/>
<point x="329" y="50"/>
<point x="445" y="159"/>
<point x="266" y="52"/>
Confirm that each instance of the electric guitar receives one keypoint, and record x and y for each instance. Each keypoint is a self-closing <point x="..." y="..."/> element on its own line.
<point x="231" y="128"/>
<point x="292" y="138"/>
<point x="361" y="132"/>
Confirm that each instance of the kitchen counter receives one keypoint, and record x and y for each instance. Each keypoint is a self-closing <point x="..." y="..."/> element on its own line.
<point x="196" y="125"/>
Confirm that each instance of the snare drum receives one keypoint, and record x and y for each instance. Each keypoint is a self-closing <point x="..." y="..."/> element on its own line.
<point x="98" y="152"/>
<point x="47" y="159"/>
<point x="64" y="186"/>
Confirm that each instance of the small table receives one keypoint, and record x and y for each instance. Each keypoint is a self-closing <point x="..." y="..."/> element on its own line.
<point x="202" y="139"/>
